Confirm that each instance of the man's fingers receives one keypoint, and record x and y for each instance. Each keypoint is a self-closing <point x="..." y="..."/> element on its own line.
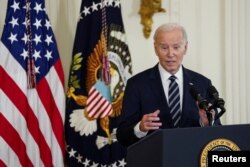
<point x="152" y="125"/>
<point x="157" y="112"/>
<point x="152" y="119"/>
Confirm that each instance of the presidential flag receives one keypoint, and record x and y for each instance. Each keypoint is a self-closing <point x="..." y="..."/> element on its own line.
<point x="32" y="96"/>
<point x="101" y="65"/>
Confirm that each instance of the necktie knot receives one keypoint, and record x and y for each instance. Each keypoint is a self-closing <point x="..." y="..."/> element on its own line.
<point x="172" y="78"/>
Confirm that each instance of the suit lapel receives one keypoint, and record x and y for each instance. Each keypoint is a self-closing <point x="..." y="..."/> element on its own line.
<point x="186" y="95"/>
<point x="159" y="94"/>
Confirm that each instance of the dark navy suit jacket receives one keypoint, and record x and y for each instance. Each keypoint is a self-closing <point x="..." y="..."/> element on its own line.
<point x="144" y="94"/>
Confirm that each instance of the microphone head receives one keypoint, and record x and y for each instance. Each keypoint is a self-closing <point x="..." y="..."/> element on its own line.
<point x="194" y="92"/>
<point x="197" y="96"/>
<point x="213" y="92"/>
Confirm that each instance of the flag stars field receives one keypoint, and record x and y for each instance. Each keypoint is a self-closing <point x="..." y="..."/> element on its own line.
<point x="15" y="6"/>
<point x="37" y="24"/>
<point x="94" y="7"/>
<point x="40" y="34"/>
<point x="13" y="22"/>
<point x="38" y="8"/>
<point x="12" y="37"/>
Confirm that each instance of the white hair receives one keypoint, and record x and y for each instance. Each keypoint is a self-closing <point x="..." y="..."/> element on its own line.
<point x="168" y="27"/>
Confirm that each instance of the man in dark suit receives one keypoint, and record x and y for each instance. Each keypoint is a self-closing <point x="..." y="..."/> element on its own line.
<point x="146" y="105"/>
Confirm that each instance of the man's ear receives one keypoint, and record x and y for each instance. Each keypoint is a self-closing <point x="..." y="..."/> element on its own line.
<point x="154" y="44"/>
<point x="186" y="46"/>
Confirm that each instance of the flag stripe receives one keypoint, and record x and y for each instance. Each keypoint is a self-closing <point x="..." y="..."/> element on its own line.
<point x="33" y="126"/>
<point x="60" y="74"/>
<point x="45" y="124"/>
<point x="108" y="110"/>
<point x="93" y="96"/>
<point x="2" y="164"/>
<point x="11" y="113"/>
<point x="49" y="104"/>
<point x="14" y="140"/>
<point x="96" y="110"/>
<point x="57" y="90"/>
<point x="97" y="105"/>
<point x="8" y="156"/>
<point x="58" y="94"/>
<point x="103" y="110"/>
<point x="92" y="104"/>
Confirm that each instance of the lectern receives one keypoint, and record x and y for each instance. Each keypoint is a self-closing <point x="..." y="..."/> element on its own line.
<point x="186" y="147"/>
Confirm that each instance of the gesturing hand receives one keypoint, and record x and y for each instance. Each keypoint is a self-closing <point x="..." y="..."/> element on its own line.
<point x="150" y="121"/>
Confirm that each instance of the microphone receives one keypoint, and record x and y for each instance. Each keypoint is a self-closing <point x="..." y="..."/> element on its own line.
<point x="218" y="102"/>
<point x="203" y="104"/>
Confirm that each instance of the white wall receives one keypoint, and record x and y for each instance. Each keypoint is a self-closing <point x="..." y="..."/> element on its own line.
<point x="210" y="25"/>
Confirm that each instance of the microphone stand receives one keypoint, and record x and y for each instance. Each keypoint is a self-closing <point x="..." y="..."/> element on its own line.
<point x="210" y="118"/>
<point x="203" y="104"/>
<point x="209" y="114"/>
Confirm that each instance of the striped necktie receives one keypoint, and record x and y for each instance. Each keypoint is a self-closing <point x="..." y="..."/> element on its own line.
<point x="174" y="101"/>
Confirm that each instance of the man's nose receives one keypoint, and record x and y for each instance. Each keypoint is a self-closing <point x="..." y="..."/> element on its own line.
<point x="170" y="52"/>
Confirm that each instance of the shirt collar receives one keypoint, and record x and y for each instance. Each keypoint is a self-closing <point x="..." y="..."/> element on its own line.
<point x="165" y="74"/>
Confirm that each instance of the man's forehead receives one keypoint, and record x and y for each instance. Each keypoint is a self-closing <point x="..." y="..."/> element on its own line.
<point x="181" y="42"/>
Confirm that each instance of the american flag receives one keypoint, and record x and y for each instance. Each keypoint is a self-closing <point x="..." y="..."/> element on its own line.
<point x="31" y="113"/>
